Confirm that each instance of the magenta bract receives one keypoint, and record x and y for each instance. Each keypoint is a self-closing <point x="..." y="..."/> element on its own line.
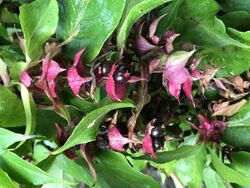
<point x="175" y="75"/>
<point x="74" y="79"/>
<point x="117" y="92"/>
<point x="26" y="79"/>
<point x="116" y="140"/>
<point x="147" y="145"/>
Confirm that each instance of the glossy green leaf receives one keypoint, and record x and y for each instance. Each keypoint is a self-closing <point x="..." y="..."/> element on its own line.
<point x="133" y="11"/>
<point x="227" y="173"/>
<point x="30" y="110"/>
<point x="87" y="128"/>
<point x="79" y="172"/>
<point x="117" y="172"/>
<point x="212" y="179"/>
<point x="238" y="20"/>
<point x="171" y="13"/>
<point x="39" y="22"/>
<point x="23" y="171"/>
<point x="167" y="156"/>
<point x="46" y="119"/>
<point x="95" y="19"/>
<point x="197" y="24"/>
<point x="190" y="169"/>
<point x="233" y="60"/>
<point x="241" y="36"/>
<point x="237" y="133"/>
<point x="8" y="138"/>
<point x="11" y="109"/>
<point x="241" y="162"/>
<point x="235" y="5"/>
<point x="6" y="181"/>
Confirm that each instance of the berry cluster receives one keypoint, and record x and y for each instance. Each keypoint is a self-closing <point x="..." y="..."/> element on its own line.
<point x="157" y="135"/>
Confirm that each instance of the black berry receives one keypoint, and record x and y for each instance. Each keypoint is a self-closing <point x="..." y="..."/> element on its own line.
<point x="157" y="132"/>
<point x="105" y="69"/>
<point x="101" y="69"/>
<point x="124" y="68"/>
<point x="158" y="143"/>
<point x="120" y="77"/>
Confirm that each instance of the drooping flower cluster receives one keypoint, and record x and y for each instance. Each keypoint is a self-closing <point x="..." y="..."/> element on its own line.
<point x="210" y="130"/>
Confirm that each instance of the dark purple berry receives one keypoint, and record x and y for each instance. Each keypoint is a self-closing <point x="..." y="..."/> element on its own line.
<point x="105" y="69"/>
<point x="124" y="68"/>
<point x="158" y="143"/>
<point x="157" y="132"/>
<point x="120" y="77"/>
<point x="101" y="69"/>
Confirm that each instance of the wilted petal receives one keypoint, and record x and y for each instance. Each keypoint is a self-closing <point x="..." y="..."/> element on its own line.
<point x="75" y="80"/>
<point x="116" y="140"/>
<point x="219" y="84"/>
<point x="187" y="88"/>
<point x="169" y="37"/>
<point x="155" y="39"/>
<point x="153" y="26"/>
<point x="154" y="64"/>
<point x="117" y="92"/>
<point x="26" y="79"/>
<point x="147" y="145"/>
<point x="142" y="45"/>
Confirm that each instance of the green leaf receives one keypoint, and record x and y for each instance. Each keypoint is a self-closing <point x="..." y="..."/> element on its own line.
<point x="11" y="109"/>
<point x="39" y="22"/>
<point x="8" y="138"/>
<point x="240" y="162"/>
<point x="244" y="37"/>
<point x="87" y="128"/>
<point x="133" y="11"/>
<point x="117" y="172"/>
<point x="3" y="32"/>
<point x="96" y="19"/>
<point x="8" y="17"/>
<point x="167" y="156"/>
<point x="46" y="119"/>
<point x="197" y="24"/>
<point x="168" y="20"/>
<point x="30" y="110"/>
<point x="6" y="181"/>
<point x="227" y="173"/>
<point x="83" y="105"/>
<point x="212" y="179"/>
<point x="189" y="169"/>
<point x="235" y="5"/>
<point x="237" y="133"/>
<point x="232" y="60"/>
<point x="79" y="172"/>
<point x="23" y="171"/>
<point x="238" y="20"/>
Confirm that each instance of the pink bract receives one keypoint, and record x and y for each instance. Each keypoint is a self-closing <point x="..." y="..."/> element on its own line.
<point x="116" y="140"/>
<point x="26" y="79"/>
<point x="147" y="145"/>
